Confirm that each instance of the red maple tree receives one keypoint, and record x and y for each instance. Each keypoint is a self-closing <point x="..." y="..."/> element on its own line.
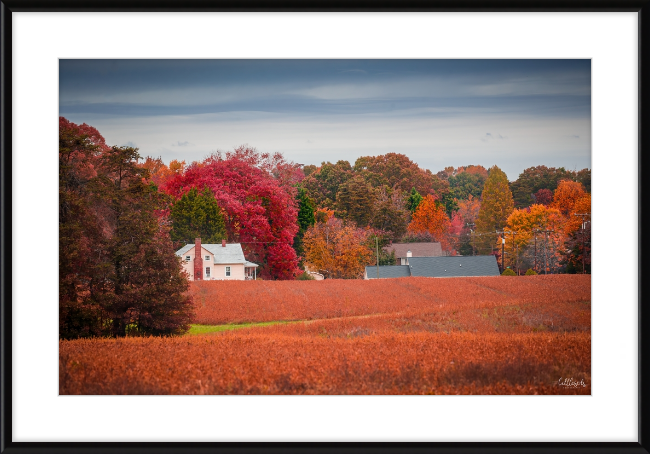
<point x="260" y="209"/>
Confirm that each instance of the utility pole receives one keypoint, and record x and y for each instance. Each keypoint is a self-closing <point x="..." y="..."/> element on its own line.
<point x="535" y="260"/>
<point x="583" y="237"/>
<point x="503" y="252"/>
<point x="377" y="244"/>
<point x="503" y="246"/>
<point x="472" y="235"/>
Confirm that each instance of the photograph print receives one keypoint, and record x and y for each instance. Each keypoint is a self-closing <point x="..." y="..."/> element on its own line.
<point x="327" y="227"/>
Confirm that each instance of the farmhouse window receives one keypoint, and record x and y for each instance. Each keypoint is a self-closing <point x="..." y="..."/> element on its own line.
<point x="207" y="258"/>
<point x="227" y="271"/>
<point x="207" y="271"/>
<point x="187" y="258"/>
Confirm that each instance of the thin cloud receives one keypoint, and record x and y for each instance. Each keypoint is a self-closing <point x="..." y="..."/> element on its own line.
<point x="490" y="136"/>
<point x="182" y="144"/>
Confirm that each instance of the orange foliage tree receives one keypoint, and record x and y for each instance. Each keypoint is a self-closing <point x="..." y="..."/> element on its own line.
<point x="583" y="206"/>
<point x="522" y="227"/>
<point x="159" y="173"/>
<point x="337" y="251"/>
<point x="566" y="195"/>
<point x="430" y="217"/>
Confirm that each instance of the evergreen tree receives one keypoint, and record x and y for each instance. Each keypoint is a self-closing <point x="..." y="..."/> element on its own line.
<point x="305" y="219"/>
<point x="146" y="288"/>
<point x="413" y="201"/>
<point x="305" y="211"/>
<point x="197" y="215"/>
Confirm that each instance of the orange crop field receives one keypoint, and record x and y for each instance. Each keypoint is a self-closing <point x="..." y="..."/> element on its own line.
<point x="219" y="302"/>
<point x="490" y="335"/>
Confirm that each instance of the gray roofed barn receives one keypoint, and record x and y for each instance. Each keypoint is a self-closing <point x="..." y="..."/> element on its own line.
<point x="481" y="265"/>
<point x="459" y="266"/>
<point x="387" y="271"/>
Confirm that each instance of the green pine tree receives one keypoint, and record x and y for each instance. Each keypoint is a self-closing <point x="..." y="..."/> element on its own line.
<point x="305" y="219"/>
<point x="414" y="200"/>
<point x="197" y="215"/>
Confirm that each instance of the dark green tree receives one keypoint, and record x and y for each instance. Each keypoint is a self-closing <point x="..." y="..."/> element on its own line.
<point x="584" y="177"/>
<point x="305" y="219"/>
<point x="465" y="183"/>
<point x="533" y="179"/>
<point x="451" y="204"/>
<point x="146" y="289"/>
<point x="413" y="201"/>
<point x="323" y="184"/>
<point x="197" y="215"/>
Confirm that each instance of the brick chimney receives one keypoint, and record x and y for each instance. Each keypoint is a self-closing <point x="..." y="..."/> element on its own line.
<point x="223" y="243"/>
<point x="198" y="260"/>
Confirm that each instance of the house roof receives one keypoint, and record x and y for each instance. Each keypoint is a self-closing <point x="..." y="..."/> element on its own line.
<point x="482" y="265"/>
<point x="388" y="271"/>
<point x="232" y="253"/>
<point x="417" y="249"/>
<point x="459" y="266"/>
<point x="250" y="264"/>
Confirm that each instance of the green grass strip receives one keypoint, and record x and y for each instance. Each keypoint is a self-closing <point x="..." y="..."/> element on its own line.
<point x="205" y="329"/>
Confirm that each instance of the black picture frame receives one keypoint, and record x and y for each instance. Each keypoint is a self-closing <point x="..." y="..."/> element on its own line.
<point x="7" y="7"/>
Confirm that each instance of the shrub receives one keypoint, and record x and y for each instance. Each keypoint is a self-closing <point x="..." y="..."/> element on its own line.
<point x="508" y="272"/>
<point x="305" y="276"/>
<point x="531" y="272"/>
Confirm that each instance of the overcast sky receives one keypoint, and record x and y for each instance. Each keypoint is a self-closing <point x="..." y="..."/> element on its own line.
<point x="512" y="113"/>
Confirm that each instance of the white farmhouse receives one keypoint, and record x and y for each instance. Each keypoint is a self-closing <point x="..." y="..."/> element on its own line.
<point x="216" y="262"/>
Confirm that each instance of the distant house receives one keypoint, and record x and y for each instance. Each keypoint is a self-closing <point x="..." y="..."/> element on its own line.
<point x="216" y="262"/>
<point x="459" y="266"/>
<point x="405" y="250"/>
